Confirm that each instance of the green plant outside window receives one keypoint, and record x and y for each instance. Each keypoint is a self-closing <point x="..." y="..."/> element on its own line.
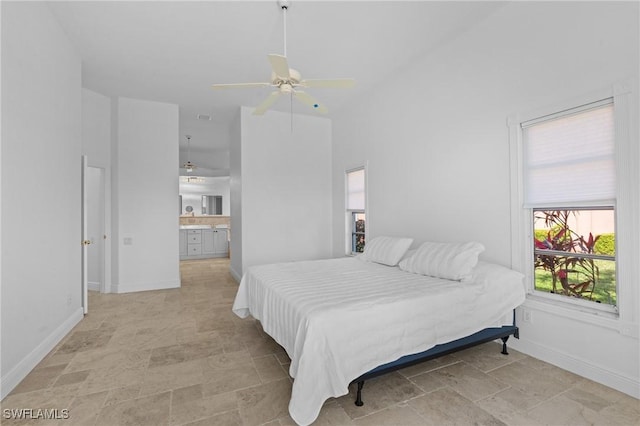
<point x="357" y="234"/>
<point x="574" y="253"/>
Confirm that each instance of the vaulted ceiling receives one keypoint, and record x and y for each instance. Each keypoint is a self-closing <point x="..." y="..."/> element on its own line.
<point x="173" y="51"/>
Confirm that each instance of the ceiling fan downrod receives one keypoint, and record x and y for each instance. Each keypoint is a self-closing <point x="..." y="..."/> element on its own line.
<point x="284" y="5"/>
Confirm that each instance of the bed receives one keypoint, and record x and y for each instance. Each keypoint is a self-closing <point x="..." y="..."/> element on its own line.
<point x="341" y="319"/>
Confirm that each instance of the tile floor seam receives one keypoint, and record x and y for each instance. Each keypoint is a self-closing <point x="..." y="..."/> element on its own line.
<point x="426" y="420"/>
<point x="406" y="401"/>
<point x="432" y="370"/>
<point x="492" y="395"/>
<point x="501" y="366"/>
<point x="170" y="407"/>
<point x="194" y="420"/>
<point x="424" y="392"/>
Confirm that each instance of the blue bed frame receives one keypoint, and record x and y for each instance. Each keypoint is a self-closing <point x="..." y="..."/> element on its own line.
<point x="482" y="336"/>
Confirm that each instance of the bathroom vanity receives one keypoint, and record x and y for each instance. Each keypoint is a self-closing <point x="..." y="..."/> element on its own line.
<point x="203" y="241"/>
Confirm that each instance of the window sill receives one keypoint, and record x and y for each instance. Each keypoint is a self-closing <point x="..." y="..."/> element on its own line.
<point x="588" y="315"/>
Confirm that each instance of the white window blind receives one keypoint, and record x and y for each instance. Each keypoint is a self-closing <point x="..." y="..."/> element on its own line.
<point x="569" y="157"/>
<point x="355" y="189"/>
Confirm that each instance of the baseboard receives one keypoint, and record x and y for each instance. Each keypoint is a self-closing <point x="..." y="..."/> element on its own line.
<point x="93" y="286"/>
<point x="10" y="380"/>
<point x="578" y="366"/>
<point x="155" y="285"/>
<point x="234" y="274"/>
<point x="204" y="256"/>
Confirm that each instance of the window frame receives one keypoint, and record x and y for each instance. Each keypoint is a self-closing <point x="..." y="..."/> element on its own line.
<point x="350" y="223"/>
<point x="626" y="208"/>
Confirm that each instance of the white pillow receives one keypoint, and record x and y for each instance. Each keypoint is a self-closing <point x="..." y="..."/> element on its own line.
<point x="386" y="250"/>
<point x="408" y="254"/>
<point x="444" y="260"/>
<point x="492" y="274"/>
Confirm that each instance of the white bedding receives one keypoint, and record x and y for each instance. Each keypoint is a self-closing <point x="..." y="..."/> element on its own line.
<point x="340" y="318"/>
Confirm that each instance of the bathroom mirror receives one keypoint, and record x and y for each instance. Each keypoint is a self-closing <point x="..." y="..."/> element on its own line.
<point x="209" y="196"/>
<point x="212" y="204"/>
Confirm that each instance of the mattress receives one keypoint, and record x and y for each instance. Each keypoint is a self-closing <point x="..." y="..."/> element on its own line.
<point x="339" y="318"/>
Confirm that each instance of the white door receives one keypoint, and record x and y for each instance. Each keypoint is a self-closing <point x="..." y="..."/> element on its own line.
<point x="221" y="241"/>
<point x="85" y="240"/>
<point x="96" y="228"/>
<point x="208" y="241"/>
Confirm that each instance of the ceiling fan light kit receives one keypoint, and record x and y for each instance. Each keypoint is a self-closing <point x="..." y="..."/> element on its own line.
<point x="288" y="81"/>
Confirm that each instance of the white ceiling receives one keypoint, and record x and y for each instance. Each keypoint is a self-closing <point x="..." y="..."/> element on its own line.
<point x="173" y="51"/>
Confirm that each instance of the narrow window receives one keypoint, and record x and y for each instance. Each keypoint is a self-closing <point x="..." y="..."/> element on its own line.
<point x="356" y="210"/>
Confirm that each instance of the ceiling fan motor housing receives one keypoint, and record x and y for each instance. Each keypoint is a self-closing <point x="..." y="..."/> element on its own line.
<point x="294" y="78"/>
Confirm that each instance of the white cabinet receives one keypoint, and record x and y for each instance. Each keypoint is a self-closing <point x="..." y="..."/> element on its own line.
<point x="221" y="242"/>
<point x="183" y="242"/>
<point x="194" y="236"/>
<point x="208" y="241"/>
<point x="194" y="249"/>
<point x="194" y="242"/>
<point x="203" y="243"/>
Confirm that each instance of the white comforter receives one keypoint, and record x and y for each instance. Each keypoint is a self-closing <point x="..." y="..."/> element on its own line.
<point x="340" y="318"/>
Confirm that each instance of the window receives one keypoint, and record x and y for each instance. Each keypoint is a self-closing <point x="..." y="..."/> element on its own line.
<point x="569" y="188"/>
<point x="355" y="203"/>
<point x="574" y="253"/>
<point x="574" y="166"/>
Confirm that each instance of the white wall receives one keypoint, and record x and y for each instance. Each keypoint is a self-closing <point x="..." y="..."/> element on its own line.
<point x="286" y="188"/>
<point x="436" y="141"/>
<point x="96" y="128"/>
<point x="146" y="192"/>
<point x="41" y="150"/>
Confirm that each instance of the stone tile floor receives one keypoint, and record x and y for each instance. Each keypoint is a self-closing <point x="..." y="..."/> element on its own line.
<point x="181" y="357"/>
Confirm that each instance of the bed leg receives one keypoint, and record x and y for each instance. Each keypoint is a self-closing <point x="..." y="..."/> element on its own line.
<point x="359" y="402"/>
<point x="504" y="345"/>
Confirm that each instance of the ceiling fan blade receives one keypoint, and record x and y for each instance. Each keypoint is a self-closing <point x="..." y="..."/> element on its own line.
<point x="336" y="82"/>
<point x="239" y="85"/>
<point x="306" y="98"/>
<point x="280" y="66"/>
<point x="260" y="109"/>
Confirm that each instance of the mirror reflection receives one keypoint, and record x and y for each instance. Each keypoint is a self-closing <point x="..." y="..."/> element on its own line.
<point x="208" y="196"/>
<point x="212" y="204"/>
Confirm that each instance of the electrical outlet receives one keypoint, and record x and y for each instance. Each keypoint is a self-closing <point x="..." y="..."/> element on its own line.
<point x="69" y="300"/>
<point x="527" y="316"/>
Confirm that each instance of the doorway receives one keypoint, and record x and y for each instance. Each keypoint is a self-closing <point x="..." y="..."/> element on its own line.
<point x="96" y="230"/>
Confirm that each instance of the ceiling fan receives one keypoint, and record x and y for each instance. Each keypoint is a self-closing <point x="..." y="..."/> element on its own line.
<point x="189" y="166"/>
<point x="288" y="81"/>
